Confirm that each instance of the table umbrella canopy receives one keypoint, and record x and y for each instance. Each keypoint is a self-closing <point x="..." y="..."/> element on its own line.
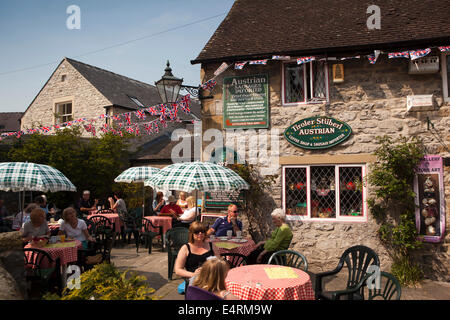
<point x="197" y="176"/>
<point x="136" y="174"/>
<point x="28" y="176"/>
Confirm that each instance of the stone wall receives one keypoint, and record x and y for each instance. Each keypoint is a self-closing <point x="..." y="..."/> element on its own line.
<point x="372" y="101"/>
<point x="87" y="101"/>
<point x="12" y="272"/>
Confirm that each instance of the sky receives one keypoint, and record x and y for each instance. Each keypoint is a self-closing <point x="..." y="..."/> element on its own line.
<point x="132" y="38"/>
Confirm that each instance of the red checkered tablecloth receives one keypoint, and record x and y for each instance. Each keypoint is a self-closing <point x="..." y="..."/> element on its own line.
<point x="114" y="217"/>
<point x="65" y="254"/>
<point x="243" y="248"/>
<point x="253" y="282"/>
<point x="158" y="221"/>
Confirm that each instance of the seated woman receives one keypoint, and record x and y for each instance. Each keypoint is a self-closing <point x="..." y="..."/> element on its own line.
<point x="23" y="217"/>
<point x="188" y="215"/>
<point x="280" y="240"/>
<point x="182" y="201"/>
<point x="192" y="255"/>
<point x="37" y="226"/>
<point x="75" y="228"/>
<point x="119" y="206"/>
<point x="158" y="203"/>
<point x="212" y="278"/>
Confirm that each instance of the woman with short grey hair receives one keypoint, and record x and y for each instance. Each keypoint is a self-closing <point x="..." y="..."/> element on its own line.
<point x="279" y="240"/>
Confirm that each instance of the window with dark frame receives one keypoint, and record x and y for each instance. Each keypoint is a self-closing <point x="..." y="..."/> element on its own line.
<point x="330" y="197"/>
<point x="306" y="82"/>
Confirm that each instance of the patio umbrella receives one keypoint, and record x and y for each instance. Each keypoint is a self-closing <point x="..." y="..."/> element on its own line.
<point x="137" y="174"/>
<point x="197" y="176"/>
<point x="28" y="176"/>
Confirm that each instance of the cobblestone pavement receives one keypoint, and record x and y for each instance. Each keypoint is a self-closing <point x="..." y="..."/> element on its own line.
<point x="154" y="267"/>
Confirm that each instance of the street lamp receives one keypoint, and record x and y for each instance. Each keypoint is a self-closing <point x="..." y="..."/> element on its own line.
<point x="169" y="86"/>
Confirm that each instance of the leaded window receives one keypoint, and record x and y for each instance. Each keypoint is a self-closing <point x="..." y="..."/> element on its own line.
<point x="331" y="192"/>
<point x="305" y="82"/>
<point x="63" y="112"/>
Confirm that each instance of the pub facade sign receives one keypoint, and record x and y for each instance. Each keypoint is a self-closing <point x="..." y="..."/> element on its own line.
<point x="317" y="132"/>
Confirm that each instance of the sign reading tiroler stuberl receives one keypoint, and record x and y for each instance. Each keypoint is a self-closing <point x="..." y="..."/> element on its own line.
<point x="317" y="132"/>
<point x="245" y="102"/>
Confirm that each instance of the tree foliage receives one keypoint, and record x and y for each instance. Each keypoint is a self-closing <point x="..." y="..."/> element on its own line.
<point x="88" y="163"/>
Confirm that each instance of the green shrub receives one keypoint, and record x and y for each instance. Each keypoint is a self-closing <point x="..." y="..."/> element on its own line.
<point x="407" y="272"/>
<point x="106" y="282"/>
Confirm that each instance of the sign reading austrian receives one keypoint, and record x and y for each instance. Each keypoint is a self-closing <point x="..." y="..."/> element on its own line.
<point x="245" y="102"/>
<point x="317" y="133"/>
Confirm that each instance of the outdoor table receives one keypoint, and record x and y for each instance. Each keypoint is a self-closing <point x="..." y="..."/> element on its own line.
<point x="66" y="252"/>
<point x="234" y="245"/>
<point x="269" y="282"/>
<point x="114" y="217"/>
<point x="161" y="221"/>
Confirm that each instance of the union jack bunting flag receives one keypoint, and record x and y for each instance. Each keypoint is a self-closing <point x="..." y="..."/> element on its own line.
<point x="57" y="126"/>
<point x="163" y="123"/>
<point x="148" y="127"/>
<point x="104" y="128"/>
<point x="403" y="54"/>
<point x="115" y="117"/>
<point x="305" y="60"/>
<point x="137" y="131"/>
<point x="239" y="65"/>
<point x="281" y="58"/>
<point x="264" y="62"/>
<point x="185" y="107"/>
<point x="130" y="129"/>
<point x="419" y="53"/>
<point x="209" y="85"/>
<point x="444" y="49"/>
<point x="151" y="110"/>
<point x="102" y="116"/>
<point x="45" y="129"/>
<point x="163" y="111"/>
<point x="127" y="117"/>
<point x="140" y="114"/>
<point x="155" y="127"/>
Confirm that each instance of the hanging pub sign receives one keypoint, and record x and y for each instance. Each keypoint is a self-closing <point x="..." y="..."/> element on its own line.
<point x="430" y="199"/>
<point x="317" y="132"/>
<point x="246" y="102"/>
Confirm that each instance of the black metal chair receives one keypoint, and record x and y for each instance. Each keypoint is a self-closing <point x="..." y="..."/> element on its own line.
<point x="41" y="269"/>
<point x="289" y="258"/>
<point x="175" y="238"/>
<point x="357" y="259"/>
<point x="104" y="234"/>
<point x="132" y="224"/>
<point x="234" y="259"/>
<point x="147" y="233"/>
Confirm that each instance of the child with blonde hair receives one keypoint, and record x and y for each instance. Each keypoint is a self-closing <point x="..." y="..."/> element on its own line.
<point x="212" y="278"/>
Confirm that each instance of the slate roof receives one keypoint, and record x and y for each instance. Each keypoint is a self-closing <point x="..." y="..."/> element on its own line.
<point x="10" y="121"/>
<point x="260" y="28"/>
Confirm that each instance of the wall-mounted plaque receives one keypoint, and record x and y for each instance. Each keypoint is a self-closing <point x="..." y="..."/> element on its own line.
<point x="317" y="132"/>
<point x="246" y="102"/>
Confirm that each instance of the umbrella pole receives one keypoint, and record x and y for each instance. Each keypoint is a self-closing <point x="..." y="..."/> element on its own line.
<point x="196" y="209"/>
<point x="143" y="199"/>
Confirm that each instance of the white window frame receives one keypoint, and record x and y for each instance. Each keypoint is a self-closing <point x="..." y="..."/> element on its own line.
<point x="339" y="217"/>
<point x="326" y="80"/>
<point x="58" y="117"/>
<point x="445" y="76"/>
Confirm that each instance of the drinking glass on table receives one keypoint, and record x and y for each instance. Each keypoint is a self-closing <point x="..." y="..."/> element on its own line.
<point x="229" y="234"/>
<point x="238" y="234"/>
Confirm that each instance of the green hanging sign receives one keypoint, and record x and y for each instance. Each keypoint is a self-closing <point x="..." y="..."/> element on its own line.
<point x="317" y="133"/>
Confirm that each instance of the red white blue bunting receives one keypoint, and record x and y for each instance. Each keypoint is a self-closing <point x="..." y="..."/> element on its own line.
<point x="305" y="60"/>
<point x="419" y="53"/>
<point x="403" y="54"/>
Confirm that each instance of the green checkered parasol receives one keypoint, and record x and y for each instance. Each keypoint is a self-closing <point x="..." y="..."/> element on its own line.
<point x="26" y="176"/>
<point x="136" y="174"/>
<point x="197" y="176"/>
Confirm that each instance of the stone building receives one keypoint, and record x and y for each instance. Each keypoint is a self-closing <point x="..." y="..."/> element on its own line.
<point x="77" y="90"/>
<point x="265" y="89"/>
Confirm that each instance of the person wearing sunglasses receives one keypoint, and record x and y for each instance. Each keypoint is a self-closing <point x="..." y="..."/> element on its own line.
<point x="230" y="222"/>
<point x="192" y="255"/>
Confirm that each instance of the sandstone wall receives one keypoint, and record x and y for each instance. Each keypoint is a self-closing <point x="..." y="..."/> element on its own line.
<point x="372" y="101"/>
